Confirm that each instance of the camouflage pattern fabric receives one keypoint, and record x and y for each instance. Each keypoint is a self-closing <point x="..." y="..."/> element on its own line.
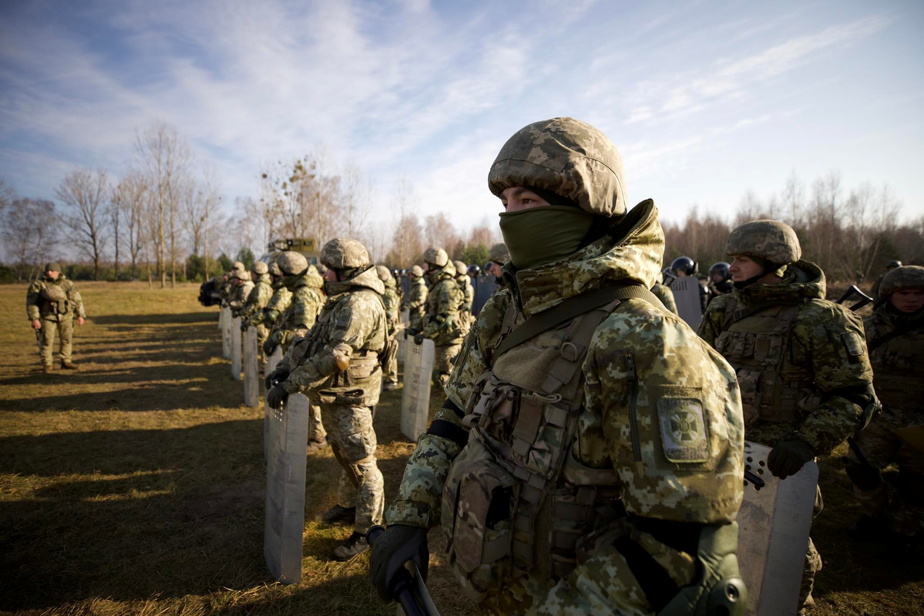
<point x="664" y="293"/>
<point x="670" y="364"/>
<point x="441" y="323"/>
<point x="415" y="302"/>
<point x="303" y="310"/>
<point x="277" y="305"/>
<point x="56" y="303"/>
<point x="770" y="240"/>
<point x="238" y="295"/>
<point x="257" y="300"/>
<point x="392" y="301"/>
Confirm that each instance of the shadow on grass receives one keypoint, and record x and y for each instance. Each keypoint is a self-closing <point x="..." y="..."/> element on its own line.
<point x="113" y="321"/>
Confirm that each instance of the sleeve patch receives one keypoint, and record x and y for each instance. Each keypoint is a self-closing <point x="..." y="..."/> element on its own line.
<point x="683" y="430"/>
<point x="854" y="345"/>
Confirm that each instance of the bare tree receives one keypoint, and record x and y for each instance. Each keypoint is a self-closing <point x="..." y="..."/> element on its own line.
<point x="29" y="231"/>
<point x="199" y="200"/>
<point x="440" y="232"/>
<point x="130" y="200"/>
<point x="86" y="193"/>
<point x="356" y="194"/>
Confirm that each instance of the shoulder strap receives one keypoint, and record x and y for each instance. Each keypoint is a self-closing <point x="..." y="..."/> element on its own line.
<point x="739" y="314"/>
<point x="909" y="327"/>
<point x="571" y="308"/>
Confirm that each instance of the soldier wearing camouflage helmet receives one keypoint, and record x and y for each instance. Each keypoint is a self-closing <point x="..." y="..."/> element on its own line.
<point x="443" y="322"/>
<point x="241" y="286"/>
<point x="806" y="381"/>
<point x="895" y="339"/>
<point x="552" y="466"/>
<point x="390" y="355"/>
<point x="891" y="265"/>
<point x="337" y="364"/>
<point x="256" y="302"/>
<point x="498" y="255"/>
<point x="468" y="294"/>
<point x="53" y="303"/>
<point x="279" y="301"/>
<point x="415" y="301"/>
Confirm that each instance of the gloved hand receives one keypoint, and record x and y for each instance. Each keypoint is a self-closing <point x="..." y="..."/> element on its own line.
<point x="418" y="338"/>
<point x="278" y="375"/>
<point x="788" y="457"/>
<point x="244" y="326"/>
<point x="269" y="346"/>
<point x="276" y="397"/>
<point x="397" y="545"/>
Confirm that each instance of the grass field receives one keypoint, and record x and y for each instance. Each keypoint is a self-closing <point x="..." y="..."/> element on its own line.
<point x="135" y="485"/>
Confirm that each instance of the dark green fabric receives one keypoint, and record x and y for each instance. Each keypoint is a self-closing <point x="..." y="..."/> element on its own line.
<point x="544" y="234"/>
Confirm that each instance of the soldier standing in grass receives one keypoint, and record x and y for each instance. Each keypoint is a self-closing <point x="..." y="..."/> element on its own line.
<point x="442" y="322"/>
<point x="895" y="338"/>
<point x="390" y="356"/>
<point x="801" y="360"/>
<point x="241" y="286"/>
<point x="589" y="456"/>
<point x="337" y="365"/>
<point x="52" y="304"/>
<point x="415" y="301"/>
<point x="257" y="300"/>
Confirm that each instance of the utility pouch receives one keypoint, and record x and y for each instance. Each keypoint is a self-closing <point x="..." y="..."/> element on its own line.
<point x="348" y="396"/>
<point x="53" y="293"/>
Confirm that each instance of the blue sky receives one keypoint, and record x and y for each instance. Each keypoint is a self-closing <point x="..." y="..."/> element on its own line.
<point x="705" y="100"/>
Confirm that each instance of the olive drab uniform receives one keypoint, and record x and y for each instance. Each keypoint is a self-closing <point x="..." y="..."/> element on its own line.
<point x="56" y="303"/>
<point x="801" y="363"/>
<point x="351" y="329"/>
<point x="252" y="312"/>
<point x="443" y="323"/>
<point x="415" y="302"/>
<point x="614" y="437"/>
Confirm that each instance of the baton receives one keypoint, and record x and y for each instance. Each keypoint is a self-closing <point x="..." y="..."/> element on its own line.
<point x="408" y="587"/>
<point x="855" y="290"/>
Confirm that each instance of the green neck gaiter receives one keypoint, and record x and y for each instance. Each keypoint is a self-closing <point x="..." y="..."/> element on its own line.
<point x="544" y="234"/>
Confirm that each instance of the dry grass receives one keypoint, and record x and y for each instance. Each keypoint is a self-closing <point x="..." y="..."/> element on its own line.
<point x="135" y="486"/>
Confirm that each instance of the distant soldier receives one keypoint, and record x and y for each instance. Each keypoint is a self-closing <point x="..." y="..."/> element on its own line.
<point x="895" y="338"/>
<point x="257" y="300"/>
<point x="415" y="302"/>
<point x="390" y="354"/>
<point x="278" y="303"/>
<point x="720" y="282"/>
<point x="241" y="286"/>
<point x="304" y="283"/>
<point x="52" y="303"/>
<point x="683" y="267"/>
<point x="801" y="361"/>
<point x="338" y="365"/>
<point x="891" y="265"/>
<point x="442" y="323"/>
<point x="468" y="294"/>
<point x="664" y="293"/>
<point x="498" y="255"/>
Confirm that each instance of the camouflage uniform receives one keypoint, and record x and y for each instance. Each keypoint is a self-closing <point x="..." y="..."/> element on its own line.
<point x="896" y="346"/>
<point x="337" y="366"/>
<point x="415" y="302"/>
<point x="800" y="360"/>
<point x="663" y="293"/>
<point x="257" y="300"/>
<point x="55" y="303"/>
<point x="588" y="439"/>
<point x="241" y="286"/>
<point x="391" y="299"/>
<point x="442" y="322"/>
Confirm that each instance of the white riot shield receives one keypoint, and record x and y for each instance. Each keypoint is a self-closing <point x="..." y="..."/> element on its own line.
<point x="402" y="328"/>
<point x="236" y="348"/>
<point x="773" y="533"/>
<point x="686" y="294"/>
<point x="251" y="368"/>
<point x="271" y="363"/>
<point x="221" y="319"/>
<point x="415" y="401"/>
<point x="226" y="333"/>
<point x="285" y="490"/>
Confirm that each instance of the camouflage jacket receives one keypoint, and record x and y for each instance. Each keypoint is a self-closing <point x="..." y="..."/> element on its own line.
<point x="643" y="365"/>
<point x="468" y="292"/>
<point x="898" y="361"/>
<point x="276" y="305"/>
<point x="56" y="300"/>
<point x="801" y="360"/>
<point x="415" y="302"/>
<point x="259" y="297"/>
<point x="664" y="293"/>
<point x="442" y="320"/>
<point x="303" y="310"/>
<point x="390" y="297"/>
<point x="351" y="330"/>
<point x="238" y="297"/>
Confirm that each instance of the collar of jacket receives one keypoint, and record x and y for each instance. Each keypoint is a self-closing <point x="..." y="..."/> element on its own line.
<point x="802" y="281"/>
<point x="367" y="279"/>
<point x="632" y="253"/>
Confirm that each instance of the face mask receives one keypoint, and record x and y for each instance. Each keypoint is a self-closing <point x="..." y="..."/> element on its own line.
<point x="543" y="234"/>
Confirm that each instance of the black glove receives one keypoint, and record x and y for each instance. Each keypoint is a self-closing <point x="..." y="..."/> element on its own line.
<point x="244" y="326"/>
<point x="788" y="457"/>
<point x="397" y="545"/>
<point x="276" y="396"/>
<point x="276" y="376"/>
<point x="269" y="346"/>
<point x="418" y="338"/>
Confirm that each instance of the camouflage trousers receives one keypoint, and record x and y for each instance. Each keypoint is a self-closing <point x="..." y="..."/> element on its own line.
<point x="316" y="431"/>
<point x="262" y="335"/>
<point x="443" y="357"/>
<point x="46" y="338"/>
<point x="390" y="362"/>
<point x="361" y="485"/>
<point x="902" y="506"/>
<point x="813" y="563"/>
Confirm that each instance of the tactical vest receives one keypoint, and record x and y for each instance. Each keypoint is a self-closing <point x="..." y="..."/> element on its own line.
<point x="516" y="500"/>
<point x="776" y="383"/>
<point x="54" y="300"/>
<point x="898" y="365"/>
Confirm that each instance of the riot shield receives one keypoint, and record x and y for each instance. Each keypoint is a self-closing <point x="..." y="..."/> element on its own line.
<point x="484" y="289"/>
<point x="773" y="533"/>
<point x="285" y="490"/>
<point x="226" y="333"/>
<point x="221" y="319"/>
<point x="251" y="368"/>
<point x="913" y="435"/>
<point x="271" y="363"/>
<point x="236" y="348"/>
<point x="402" y="341"/>
<point x="687" y="295"/>
<point x="415" y="401"/>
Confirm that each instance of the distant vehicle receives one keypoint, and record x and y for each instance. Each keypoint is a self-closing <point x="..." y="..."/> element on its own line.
<point x="306" y="246"/>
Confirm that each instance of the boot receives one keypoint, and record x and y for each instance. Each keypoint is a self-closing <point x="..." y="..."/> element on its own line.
<point x="48" y="368"/>
<point x="68" y="364"/>
<point x="354" y="546"/>
<point x="337" y="514"/>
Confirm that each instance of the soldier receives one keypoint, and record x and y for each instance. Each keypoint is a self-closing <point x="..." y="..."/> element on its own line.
<point x="498" y="255"/>
<point x="338" y="365"/>
<point x="415" y="302"/>
<point x="719" y="280"/>
<point x="304" y="283"/>
<point x="576" y="472"/>
<point x="390" y="355"/>
<point x="468" y="294"/>
<point x="683" y="267"/>
<point x="895" y="338"/>
<point x="891" y="265"/>
<point x="52" y="303"/>
<point x="664" y="293"/>
<point x="805" y="378"/>
<point x="257" y="300"/>
<point x="442" y="323"/>
<point x="278" y="303"/>
<point x="241" y="286"/>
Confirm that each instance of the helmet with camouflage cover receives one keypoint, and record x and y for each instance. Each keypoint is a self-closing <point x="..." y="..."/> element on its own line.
<point x="567" y="157"/>
<point x="461" y="268"/>
<point x="499" y="253"/>
<point x="260" y="268"/>
<point x="274" y="269"/>
<point x="344" y="254"/>
<point x="436" y="256"/>
<point x="383" y="272"/>
<point x="903" y="277"/>
<point x="239" y="266"/>
<point x="416" y="271"/>
<point x="292" y="263"/>
<point x="52" y="266"/>
<point x="240" y="275"/>
<point x="769" y="240"/>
